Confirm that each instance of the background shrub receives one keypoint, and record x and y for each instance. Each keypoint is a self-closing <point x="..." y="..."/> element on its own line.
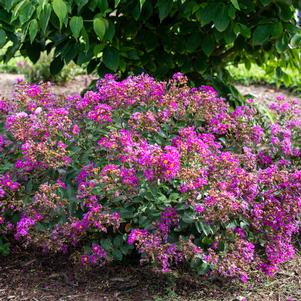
<point x="40" y="71"/>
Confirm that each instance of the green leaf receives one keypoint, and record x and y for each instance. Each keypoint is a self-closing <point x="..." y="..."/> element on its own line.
<point x="106" y="244"/>
<point x="208" y="45"/>
<point x="296" y="40"/>
<point x="102" y="5"/>
<point x="202" y="227"/>
<point x="56" y="66"/>
<point x="266" y="2"/>
<point x="235" y="4"/>
<point x="25" y="12"/>
<point x="243" y="30"/>
<point x="117" y="3"/>
<point x="164" y="7"/>
<point x="118" y="241"/>
<point x="207" y="14"/>
<point x="193" y="42"/>
<point x="284" y="11"/>
<point x="60" y="9"/>
<point x="76" y="25"/>
<point x="261" y="34"/>
<point x="282" y="44"/>
<point x="229" y="35"/>
<point x="232" y="12"/>
<point x="111" y="58"/>
<point x="117" y="254"/>
<point x="44" y="17"/>
<point x="141" y="4"/>
<point x="100" y="25"/>
<point x="277" y="29"/>
<point x="3" y="38"/>
<point x="33" y="29"/>
<point x="221" y="19"/>
<point x="110" y="31"/>
<point x="80" y="4"/>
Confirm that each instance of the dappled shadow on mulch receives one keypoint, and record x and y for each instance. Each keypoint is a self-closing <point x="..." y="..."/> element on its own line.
<point x="24" y="276"/>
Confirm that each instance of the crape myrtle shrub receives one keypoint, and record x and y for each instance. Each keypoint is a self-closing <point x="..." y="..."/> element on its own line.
<point x="156" y="36"/>
<point x="158" y="168"/>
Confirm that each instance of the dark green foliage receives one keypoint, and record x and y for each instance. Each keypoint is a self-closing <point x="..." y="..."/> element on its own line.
<point x="155" y="36"/>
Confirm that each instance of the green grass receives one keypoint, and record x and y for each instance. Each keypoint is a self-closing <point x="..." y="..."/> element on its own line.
<point x="268" y="74"/>
<point x="11" y="66"/>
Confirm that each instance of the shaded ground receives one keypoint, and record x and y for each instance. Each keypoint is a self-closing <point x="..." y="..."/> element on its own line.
<point x="27" y="277"/>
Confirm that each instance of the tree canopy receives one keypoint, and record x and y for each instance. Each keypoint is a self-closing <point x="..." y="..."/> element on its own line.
<point x="155" y="36"/>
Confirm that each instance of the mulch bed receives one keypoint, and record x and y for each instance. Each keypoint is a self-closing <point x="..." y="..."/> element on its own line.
<point x="26" y="276"/>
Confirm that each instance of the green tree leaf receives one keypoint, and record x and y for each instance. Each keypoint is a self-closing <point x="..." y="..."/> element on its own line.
<point x="261" y="34"/>
<point x="266" y="2"/>
<point x="285" y="12"/>
<point x="56" y="65"/>
<point x="44" y="17"/>
<point x="208" y="44"/>
<point x="26" y="11"/>
<point x="296" y="40"/>
<point x="277" y="29"/>
<point x="111" y="58"/>
<point x="80" y="4"/>
<point x="235" y="4"/>
<point x="242" y="29"/>
<point x="164" y="7"/>
<point x="102" y="5"/>
<point x="100" y="26"/>
<point x="33" y="29"/>
<point x="208" y="14"/>
<point x="60" y="9"/>
<point x="221" y="18"/>
<point x="3" y="38"/>
<point x="141" y="4"/>
<point x="76" y="25"/>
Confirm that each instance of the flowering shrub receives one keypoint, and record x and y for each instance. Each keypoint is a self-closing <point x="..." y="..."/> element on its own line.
<point x="158" y="168"/>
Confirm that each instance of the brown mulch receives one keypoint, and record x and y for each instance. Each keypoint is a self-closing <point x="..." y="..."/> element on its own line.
<point x="27" y="277"/>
